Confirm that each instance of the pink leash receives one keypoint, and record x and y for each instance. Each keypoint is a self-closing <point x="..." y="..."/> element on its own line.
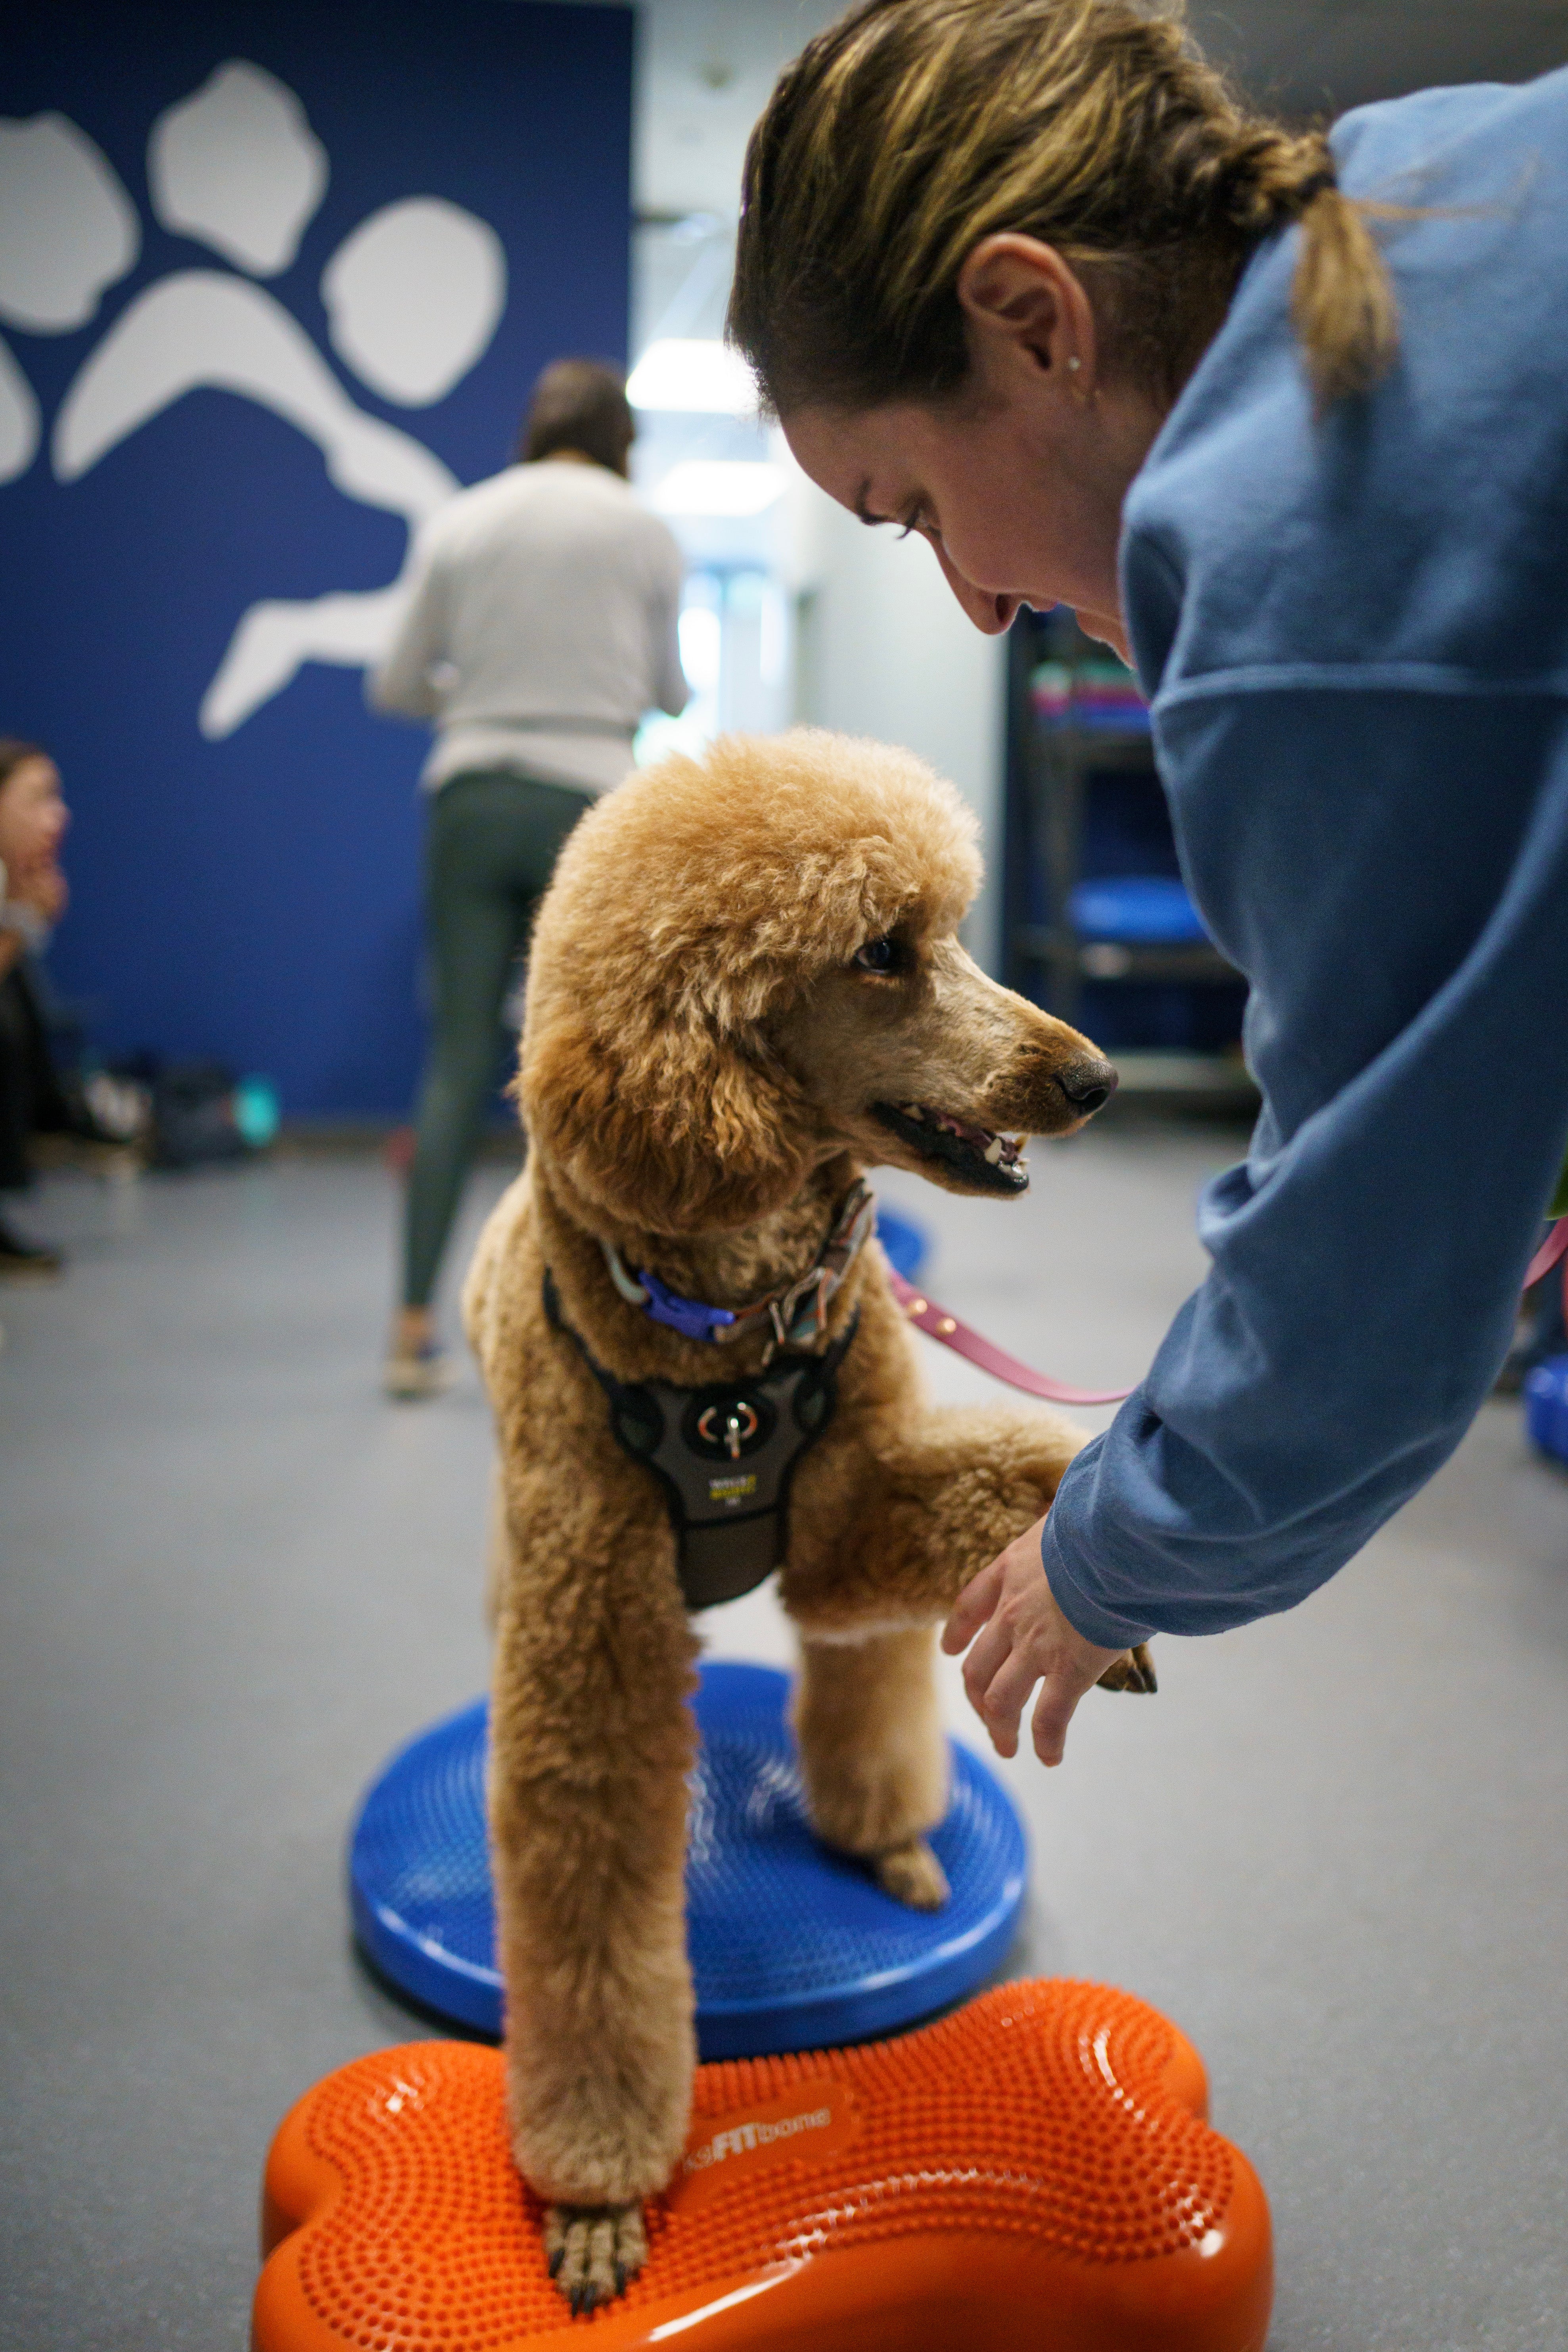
<point x="1552" y="1249"/>
<point x="938" y="1324"/>
<point x="928" y="1317"/>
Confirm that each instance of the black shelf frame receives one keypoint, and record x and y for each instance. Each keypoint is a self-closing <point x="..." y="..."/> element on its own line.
<point x="1049" y="767"/>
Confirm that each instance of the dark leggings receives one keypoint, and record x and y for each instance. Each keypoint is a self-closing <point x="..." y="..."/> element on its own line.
<point x="492" y="844"/>
<point x="31" y="1099"/>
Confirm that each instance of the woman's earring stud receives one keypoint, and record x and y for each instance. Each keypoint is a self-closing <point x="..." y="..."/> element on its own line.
<point x="1073" y="364"/>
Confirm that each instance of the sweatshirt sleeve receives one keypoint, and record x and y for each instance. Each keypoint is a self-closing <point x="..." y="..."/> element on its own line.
<point x="403" y="680"/>
<point x="1387" y="861"/>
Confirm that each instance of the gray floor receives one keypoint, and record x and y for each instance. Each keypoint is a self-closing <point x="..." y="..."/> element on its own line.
<point x="1333" y="1847"/>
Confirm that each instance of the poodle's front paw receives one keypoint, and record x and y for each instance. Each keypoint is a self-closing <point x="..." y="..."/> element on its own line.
<point x="593" y="2251"/>
<point x="911" y="1873"/>
<point x="1133" y="1671"/>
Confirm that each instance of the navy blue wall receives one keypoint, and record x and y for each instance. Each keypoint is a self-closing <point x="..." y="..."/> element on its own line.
<point x="257" y="898"/>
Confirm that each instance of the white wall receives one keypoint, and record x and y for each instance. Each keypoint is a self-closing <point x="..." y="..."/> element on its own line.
<point x="886" y="652"/>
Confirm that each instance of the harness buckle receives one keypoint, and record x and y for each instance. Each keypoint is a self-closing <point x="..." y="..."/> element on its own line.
<point x="741" y="1425"/>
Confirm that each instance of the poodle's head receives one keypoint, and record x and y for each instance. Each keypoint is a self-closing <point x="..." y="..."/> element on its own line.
<point x="748" y="964"/>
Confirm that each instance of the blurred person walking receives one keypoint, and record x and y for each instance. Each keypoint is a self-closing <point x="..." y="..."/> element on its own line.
<point x="539" y="627"/>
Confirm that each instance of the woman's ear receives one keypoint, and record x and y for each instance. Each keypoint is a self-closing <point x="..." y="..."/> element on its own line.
<point x="1022" y="301"/>
<point x="675" y="1129"/>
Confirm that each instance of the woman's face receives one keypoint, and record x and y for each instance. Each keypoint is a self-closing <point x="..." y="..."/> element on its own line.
<point x="33" y="817"/>
<point x="1018" y="481"/>
<point x="1019" y="508"/>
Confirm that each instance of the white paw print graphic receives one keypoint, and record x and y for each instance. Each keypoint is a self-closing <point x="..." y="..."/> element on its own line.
<point x="413" y="297"/>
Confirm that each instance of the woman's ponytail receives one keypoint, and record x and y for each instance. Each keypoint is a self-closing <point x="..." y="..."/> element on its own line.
<point x="1342" y="300"/>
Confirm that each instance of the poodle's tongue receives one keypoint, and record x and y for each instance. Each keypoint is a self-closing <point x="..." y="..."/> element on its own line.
<point x="998" y="1150"/>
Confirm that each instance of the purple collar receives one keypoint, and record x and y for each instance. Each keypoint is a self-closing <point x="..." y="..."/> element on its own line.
<point x="796" y="1317"/>
<point x="687" y="1316"/>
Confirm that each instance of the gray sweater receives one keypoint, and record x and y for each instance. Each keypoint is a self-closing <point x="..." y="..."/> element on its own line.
<point x="539" y="624"/>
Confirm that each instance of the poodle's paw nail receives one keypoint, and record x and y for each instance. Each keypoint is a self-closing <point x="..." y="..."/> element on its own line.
<point x="631" y="2241"/>
<point x="593" y="2251"/>
<point x="911" y="1873"/>
<point x="1133" y="1671"/>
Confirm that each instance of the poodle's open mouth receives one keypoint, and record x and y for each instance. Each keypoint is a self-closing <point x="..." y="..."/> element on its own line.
<point x="996" y="1161"/>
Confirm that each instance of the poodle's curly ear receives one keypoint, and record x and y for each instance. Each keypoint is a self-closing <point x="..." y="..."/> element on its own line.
<point x="675" y="1128"/>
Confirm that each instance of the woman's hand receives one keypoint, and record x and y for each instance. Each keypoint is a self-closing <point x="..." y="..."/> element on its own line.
<point x="1026" y="1640"/>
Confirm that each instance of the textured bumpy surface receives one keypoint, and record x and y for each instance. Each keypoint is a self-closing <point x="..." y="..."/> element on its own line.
<point x="792" y="1946"/>
<point x="1031" y="2172"/>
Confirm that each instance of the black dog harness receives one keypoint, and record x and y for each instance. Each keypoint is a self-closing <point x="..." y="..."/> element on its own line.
<point x="725" y="1455"/>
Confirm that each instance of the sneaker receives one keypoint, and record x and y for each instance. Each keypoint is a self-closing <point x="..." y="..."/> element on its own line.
<point x="418" y="1373"/>
<point x="22" y="1261"/>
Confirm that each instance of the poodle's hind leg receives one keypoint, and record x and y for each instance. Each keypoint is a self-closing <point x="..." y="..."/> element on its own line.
<point x="873" y="1758"/>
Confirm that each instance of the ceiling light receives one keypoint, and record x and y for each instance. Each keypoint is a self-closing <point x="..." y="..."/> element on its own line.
<point x="718" y="486"/>
<point x="696" y="377"/>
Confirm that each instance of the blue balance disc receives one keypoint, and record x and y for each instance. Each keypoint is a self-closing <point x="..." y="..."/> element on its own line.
<point x="1546" y="1406"/>
<point x="792" y="1947"/>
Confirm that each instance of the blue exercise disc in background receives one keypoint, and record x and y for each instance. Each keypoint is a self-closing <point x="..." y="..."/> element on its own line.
<point x="905" y="1244"/>
<point x="792" y="1947"/>
<point x="1546" y="1406"/>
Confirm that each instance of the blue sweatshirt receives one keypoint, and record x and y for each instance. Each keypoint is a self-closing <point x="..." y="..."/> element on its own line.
<point x="1354" y="637"/>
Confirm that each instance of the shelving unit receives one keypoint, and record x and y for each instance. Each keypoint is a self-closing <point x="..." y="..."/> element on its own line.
<point x="1099" y="928"/>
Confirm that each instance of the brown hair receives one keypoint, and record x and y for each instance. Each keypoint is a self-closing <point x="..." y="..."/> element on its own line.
<point x="911" y="130"/>
<point x="579" y="404"/>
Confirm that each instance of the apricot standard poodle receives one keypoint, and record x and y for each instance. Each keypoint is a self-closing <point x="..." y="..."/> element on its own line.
<point x="746" y="988"/>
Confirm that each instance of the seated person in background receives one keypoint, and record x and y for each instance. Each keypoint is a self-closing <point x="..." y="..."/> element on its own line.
<point x="33" y="820"/>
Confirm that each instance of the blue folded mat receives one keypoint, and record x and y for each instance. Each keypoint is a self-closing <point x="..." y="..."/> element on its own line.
<point x="1136" y="911"/>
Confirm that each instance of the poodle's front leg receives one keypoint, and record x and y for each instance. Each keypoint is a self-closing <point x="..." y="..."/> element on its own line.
<point x="592" y="1742"/>
<point x="945" y="1494"/>
<point x="500" y="1568"/>
<point x="873" y="1758"/>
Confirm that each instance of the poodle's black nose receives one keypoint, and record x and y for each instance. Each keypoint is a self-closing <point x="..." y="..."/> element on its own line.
<point x="1088" y="1085"/>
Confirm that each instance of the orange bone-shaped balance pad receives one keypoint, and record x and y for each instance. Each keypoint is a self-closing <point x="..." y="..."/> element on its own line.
<point x="1032" y="2174"/>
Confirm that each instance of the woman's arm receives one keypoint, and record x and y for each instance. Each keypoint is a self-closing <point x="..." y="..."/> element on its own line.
<point x="403" y="680"/>
<point x="1391" y="868"/>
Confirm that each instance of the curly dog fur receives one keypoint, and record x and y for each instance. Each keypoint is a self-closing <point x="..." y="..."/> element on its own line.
<point x="712" y="1046"/>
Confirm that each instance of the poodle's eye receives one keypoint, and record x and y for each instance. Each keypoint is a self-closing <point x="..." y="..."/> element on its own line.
<point x="878" y="955"/>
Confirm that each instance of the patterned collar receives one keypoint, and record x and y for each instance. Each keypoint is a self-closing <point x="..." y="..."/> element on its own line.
<point x="796" y="1317"/>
